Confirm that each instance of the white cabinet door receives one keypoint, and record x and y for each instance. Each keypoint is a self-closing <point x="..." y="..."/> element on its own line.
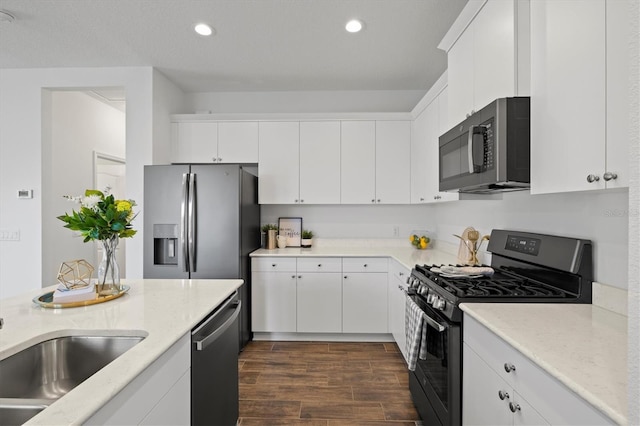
<point x="393" y="162"/>
<point x="358" y="162"/>
<point x="273" y="302"/>
<point x="425" y="176"/>
<point x="494" y="53"/>
<point x="460" y="77"/>
<point x="196" y="142"/>
<point x="320" y="162"/>
<point x="238" y="142"/>
<point x="175" y="406"/>
<point x="364" y="303"/>
<point x="481" y="404"/>
<point x="279" y="164"/>
<point x="567" y="95"/>
<point x="319" y="302"/>
<point x="420" y="160"/>
<point x="397" y="303"/>
<point x="618" y="99"/>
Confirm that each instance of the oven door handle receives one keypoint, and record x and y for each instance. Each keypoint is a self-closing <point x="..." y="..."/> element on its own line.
<point x="433" y="323"/>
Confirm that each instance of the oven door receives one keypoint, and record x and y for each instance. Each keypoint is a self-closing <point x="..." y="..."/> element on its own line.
<point x="436" y="383"/>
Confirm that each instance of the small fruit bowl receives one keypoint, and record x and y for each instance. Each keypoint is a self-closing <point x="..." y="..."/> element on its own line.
<point x="420" y="240"/>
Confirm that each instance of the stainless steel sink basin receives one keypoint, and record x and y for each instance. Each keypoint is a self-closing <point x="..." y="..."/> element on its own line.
<point x="19" y="413"/>
<point x="33" y="378"/>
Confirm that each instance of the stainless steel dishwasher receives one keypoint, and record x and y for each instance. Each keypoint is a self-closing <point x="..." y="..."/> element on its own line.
<point x="214" y="366"/>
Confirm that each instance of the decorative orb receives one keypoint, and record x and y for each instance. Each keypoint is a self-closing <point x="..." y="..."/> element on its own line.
<point x="75" y="273"/>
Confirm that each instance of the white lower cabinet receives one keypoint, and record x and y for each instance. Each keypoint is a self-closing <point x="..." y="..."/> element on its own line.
<point x="364" y="295"/>
<point x="160" y="395"/>
<point x="397" y="295"/>
<point x="273" y="301"/>
<point x="319" y="295"/>
<point x="501" y="386"/>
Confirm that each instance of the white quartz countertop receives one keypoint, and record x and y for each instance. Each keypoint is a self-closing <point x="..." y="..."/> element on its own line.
<point x="583" y="346"/>
<point x="162" y="310"/>
<point x="407" y="256"/>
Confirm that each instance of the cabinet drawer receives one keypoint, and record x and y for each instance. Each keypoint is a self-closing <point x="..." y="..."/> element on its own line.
<point x="275" y="264"/>
<point x="365" y="264"/>
<point x="319" y="264"/>
<point x="399" y="271"/>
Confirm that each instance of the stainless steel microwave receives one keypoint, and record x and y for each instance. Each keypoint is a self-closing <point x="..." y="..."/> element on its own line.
<point x="489" y="151"/>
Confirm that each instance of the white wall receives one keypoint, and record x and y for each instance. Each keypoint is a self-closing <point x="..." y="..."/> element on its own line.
<point x="600" y="217"/>
<point x="80" y="125"/>
<point x="23" y="156"/>
<point x="301" y="101"/>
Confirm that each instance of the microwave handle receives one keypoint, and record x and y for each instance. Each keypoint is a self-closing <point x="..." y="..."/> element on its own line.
<point x="475" y="153"/>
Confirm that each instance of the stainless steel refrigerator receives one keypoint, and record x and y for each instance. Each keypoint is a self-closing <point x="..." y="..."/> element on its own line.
<point x="201" y="222"/>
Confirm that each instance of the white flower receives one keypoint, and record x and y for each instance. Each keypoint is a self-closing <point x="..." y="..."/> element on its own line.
<point x="91" y="202"/>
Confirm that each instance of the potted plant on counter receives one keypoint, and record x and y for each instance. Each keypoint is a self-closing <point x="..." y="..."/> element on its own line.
<point x="306" y="239"/>
<point x="269" y="232"/>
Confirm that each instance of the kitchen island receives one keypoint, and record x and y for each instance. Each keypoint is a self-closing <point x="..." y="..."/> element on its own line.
<point x="163" y="311"/>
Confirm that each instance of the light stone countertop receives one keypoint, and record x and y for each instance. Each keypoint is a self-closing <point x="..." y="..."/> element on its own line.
<point x="583" y="346"/>
<point x="407" y="256"/>
<point x="162" y="310"/>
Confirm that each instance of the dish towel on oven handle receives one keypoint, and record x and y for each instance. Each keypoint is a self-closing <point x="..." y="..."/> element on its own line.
<point x="416" y="333"/>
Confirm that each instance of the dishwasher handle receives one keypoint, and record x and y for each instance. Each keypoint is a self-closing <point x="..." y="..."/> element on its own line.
<point x="210" y="338"/>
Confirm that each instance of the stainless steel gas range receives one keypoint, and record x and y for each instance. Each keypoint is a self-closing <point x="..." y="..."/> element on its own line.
<point x="527" y="268"/>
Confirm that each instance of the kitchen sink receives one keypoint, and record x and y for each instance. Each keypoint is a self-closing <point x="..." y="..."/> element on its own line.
<point x="35" y="377"/>
<point x="14" y="413"/>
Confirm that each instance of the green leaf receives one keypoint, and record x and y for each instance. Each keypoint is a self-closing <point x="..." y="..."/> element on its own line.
<point x="89" y="192"/>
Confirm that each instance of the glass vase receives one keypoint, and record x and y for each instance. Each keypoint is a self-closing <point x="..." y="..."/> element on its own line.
<point x="108" y="271"/>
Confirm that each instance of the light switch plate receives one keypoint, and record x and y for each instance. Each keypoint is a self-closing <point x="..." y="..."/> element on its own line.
<point x="25" y="193"/>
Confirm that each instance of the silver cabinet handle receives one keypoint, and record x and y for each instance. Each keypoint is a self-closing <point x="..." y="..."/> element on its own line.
<point x="610" y="176"/>
<point x="302" y="201"/>
<point x="319" y="265"/>
<point x="365" y="265"/>
<point x="508" y="367"/>
<point x="514" y="407"/>
<point x="421" y="199"/>
<point x="345" y="277"/>
<point x="295" y="201"/>
<point x="503" y="395"/>
<point x="593" y="178"/>
<point x="214" y="159"/>
<point x="299" y="276"/>
<point x="378" y="199"/>
<point x="293" y="276"/>
<point x="219" y="160"/>
<point x="373" y="201"/>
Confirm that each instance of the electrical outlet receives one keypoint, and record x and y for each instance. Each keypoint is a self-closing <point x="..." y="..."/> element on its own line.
<point x="9" y="235"/>
<point x="396" y="231"/>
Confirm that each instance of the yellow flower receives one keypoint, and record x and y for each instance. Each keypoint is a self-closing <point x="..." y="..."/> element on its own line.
<point x="123" y="205"/>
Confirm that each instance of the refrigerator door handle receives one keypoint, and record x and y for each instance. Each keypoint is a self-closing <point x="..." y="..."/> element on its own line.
<point x="192" y="222"/>
<point x="183" y="222"/>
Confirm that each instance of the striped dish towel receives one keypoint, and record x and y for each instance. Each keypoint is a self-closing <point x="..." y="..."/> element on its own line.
<point x="416" y="333"/>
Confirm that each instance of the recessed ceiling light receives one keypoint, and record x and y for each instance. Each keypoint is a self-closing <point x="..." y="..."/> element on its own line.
<point x="353" y="26"/>
<point x="203" y="29"/>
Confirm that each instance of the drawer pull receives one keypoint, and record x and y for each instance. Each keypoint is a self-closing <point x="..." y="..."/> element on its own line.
<point x="345" y="277"/>
<point x="365" y="265"/>
<point x="514" y="407"/>
<point x="319" y="265"/>
<point x="503" y="395"/>
<point x="508" y="367"/>
<point x="293" y="276"/>
<point x="273" y="265"/>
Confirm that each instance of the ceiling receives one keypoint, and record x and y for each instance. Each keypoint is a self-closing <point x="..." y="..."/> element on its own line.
<point x="259" y="45"/>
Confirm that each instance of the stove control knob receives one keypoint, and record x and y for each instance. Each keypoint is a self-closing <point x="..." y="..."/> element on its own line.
<point x="439" y="303"/>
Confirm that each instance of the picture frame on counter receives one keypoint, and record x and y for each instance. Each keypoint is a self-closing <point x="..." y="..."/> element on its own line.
<point x="291" y="227"/>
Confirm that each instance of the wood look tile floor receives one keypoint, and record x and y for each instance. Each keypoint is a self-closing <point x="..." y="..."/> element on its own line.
<point x="324" y="384"/>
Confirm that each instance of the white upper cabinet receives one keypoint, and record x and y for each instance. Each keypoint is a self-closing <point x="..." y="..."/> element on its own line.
<point x="194" y="142"/>
<point x="238" y="142"/>
<point x="358" y="162"/>
<point x="214" y="142"/>
<point x="426" y="130"/>
<point x="320" y="162"/>
<point x="393" y="170"/>
<point x="279" y="165"/>
<point x="579" y="89"/>
<point x="487" y="52"/>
